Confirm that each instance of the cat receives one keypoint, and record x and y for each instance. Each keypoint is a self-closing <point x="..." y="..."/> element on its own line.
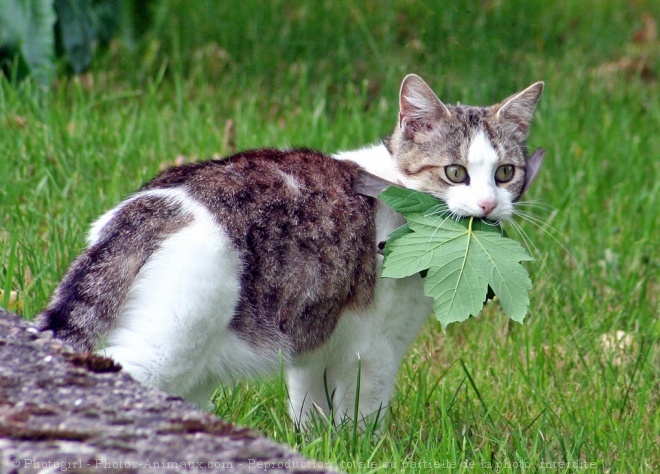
<point x="221" y="270"/>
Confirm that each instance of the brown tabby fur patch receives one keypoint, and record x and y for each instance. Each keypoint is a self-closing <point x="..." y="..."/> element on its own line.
<point x="306" y="239"/>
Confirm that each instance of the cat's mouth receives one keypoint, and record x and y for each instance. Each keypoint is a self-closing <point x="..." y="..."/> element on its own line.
<point x="488" y="212"/>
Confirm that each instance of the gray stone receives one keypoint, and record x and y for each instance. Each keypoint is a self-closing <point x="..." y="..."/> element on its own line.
<point x="61" y="410"/>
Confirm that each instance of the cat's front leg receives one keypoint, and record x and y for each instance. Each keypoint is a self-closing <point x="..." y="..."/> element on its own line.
<point x="362" y="386"/>
<point x="331" y="387"/>
<point x="366" y="349"/>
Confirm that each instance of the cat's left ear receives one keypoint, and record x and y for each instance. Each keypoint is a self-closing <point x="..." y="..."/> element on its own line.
<point x="518" y="109"/>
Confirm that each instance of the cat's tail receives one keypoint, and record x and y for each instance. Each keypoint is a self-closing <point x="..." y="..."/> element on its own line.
<point x="87" y="302"/>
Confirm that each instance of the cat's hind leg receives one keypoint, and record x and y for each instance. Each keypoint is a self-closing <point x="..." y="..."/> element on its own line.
<point x="173" y="330"/>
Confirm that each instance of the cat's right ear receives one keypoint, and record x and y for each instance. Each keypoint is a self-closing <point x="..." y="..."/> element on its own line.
<point x="532" y="167"/>
<point x="419" y="107"/>
<point x="369" y="184"/>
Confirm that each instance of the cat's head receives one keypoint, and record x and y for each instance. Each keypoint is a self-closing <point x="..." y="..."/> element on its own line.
<point x="473" y="158"/>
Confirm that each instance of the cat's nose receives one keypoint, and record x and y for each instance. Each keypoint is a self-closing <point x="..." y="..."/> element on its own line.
<point x="487" y="205"/>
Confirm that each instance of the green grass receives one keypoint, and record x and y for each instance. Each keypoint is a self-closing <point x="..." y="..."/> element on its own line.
<point x="485" y="395"/>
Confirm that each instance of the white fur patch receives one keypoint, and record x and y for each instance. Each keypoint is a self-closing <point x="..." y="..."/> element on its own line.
<point x="482" y="191"/>
<point x="375" y="159"/>
<point x="172" y="332"/>
<point x="481" y="155"/>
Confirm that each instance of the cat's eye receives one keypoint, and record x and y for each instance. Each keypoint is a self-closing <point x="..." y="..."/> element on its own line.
<point x="504" y="173"/>
<point x="456" y="173"/>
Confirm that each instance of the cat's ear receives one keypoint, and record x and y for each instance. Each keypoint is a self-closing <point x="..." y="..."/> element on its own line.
<point x="518" y="109"/>
<point x="371" y="185"/>
<point x="419" y="107"/>
<point x="532" y="167"/>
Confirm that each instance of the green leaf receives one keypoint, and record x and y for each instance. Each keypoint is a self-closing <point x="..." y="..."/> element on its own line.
<point x="407" y="201"/>
<point x="460" y="259"/>
<point x="508" y="279"/>
<point x="416" y="251"/>
<point x="400" y="232"/>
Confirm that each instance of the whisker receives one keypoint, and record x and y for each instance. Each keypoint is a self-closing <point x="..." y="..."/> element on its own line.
<point x="527" y="242"/>
<point x="544" y="226"/>
<point x="541" y="223"/>
<point x="534" y="205"/>
<point x="447" y="215"/>
<point x="440" y="211"/>
<point x="491" y="223"/>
